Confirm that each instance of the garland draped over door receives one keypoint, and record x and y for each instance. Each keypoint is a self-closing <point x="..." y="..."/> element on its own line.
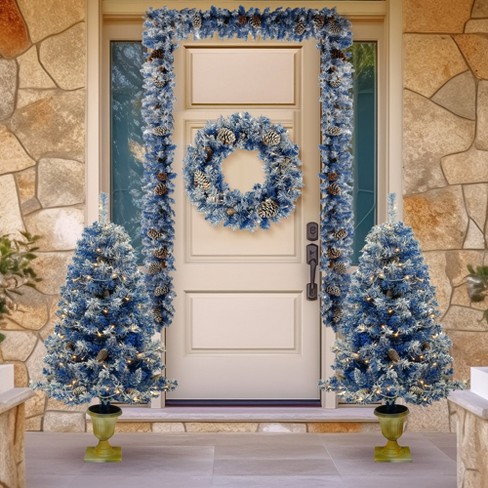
<point x="164" y="28"/>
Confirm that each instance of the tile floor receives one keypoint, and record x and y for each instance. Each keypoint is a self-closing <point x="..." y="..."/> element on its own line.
<point x="240" y="461"/>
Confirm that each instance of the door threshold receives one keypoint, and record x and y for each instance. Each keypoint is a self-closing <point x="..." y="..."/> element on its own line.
<point x="281" y="414"/>
<point x="306" y="402"/>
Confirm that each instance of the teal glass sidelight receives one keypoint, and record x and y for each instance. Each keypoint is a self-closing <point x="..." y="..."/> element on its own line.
<point x="364" y="143"/>
<point x="127" y="146"/>
<point x="127" y="150"/>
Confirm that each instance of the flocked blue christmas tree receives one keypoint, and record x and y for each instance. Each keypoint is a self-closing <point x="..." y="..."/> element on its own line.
<point x="102" y="344"/>
<point x="391" y="343"/>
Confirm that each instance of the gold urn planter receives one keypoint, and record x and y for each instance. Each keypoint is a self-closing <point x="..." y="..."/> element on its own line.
<point x="103" y="421"/>
<point x="392" y="423"/>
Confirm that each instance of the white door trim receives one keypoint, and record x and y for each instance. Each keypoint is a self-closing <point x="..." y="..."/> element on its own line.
<point x="390" y="124"/>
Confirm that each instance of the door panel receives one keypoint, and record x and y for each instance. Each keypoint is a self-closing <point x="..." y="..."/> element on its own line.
<point x="241" y="76"/>
<point x="243" y="328"/>
<point x="234" y="322"/>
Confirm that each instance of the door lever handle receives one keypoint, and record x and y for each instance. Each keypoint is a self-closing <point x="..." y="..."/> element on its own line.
<point x="312" y="260"/>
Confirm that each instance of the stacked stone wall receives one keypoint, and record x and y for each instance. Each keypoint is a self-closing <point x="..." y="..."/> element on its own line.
<point x="445" y="166"/>
<point x="42" y="169"/>
<point x="12" y="463"/>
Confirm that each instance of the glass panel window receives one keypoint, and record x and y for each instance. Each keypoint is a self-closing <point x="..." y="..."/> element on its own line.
<point x="127" y="147"/>
<point x="364" y="60"/>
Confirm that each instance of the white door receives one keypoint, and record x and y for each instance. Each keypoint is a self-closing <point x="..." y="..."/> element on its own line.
<point x="243" y="327"/>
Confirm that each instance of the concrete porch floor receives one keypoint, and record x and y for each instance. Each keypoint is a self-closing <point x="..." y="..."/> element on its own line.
<point x="244" y="460"/>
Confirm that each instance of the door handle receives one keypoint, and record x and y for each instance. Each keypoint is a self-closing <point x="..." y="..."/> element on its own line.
<point x="312" y="260"/>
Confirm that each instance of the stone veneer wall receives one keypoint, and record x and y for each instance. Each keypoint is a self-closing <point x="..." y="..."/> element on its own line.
<point x="469" y="412"/>
<point x="42" y="146"/>
<point x="42" y="80"/>
<point x="445" y="166"/>
<point x="12" y="462"/>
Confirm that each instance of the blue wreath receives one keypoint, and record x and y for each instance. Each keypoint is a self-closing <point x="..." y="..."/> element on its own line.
<point x="265" y="203"/>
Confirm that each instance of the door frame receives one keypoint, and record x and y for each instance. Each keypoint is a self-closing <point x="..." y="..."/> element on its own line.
<point x="379" y="20"/>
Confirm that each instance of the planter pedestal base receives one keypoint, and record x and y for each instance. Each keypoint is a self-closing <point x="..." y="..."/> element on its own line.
<point x="100" y="454"/>
<point x="384" y="454"/>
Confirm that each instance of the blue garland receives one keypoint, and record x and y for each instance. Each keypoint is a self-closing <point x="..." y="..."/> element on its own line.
<point x="205" y="182"/>
<point x="164" y="28"/>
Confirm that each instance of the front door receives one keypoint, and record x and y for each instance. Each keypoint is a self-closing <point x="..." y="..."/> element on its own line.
<point x="243" y="327"/>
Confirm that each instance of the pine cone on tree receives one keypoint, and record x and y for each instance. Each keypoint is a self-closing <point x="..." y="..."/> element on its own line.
<point x="226" y="136"/>
<point x="154" y="268"/>
<point x="156" y="54"/>
<point x="333" y="27"/>
<point x="319" y="21"/>
<point x="161" y="253"/>
<point x="333" y="290"/>
<point x="268" y="209"/>
<point x="102" y="355"/>
<point x="208" y="153"/>
<point x="333" y="253"/>
<point x="335" y="81"/>
<point x="340" y="234"/>
<point x="340" y="268"/>
<point x="161" y="189"/>
<point x="300" y="28"/>
<point x="161" y="290"/>
<point x="334" y="131"/>
<point x="200" y="180"/>
<point x="154" y="234"/>
<point x="160" y="131"/>
<point x="158" y="318"/>
<point x="271" y="138"/>
<point x="337" y="316"/>
<point x="393" y="355"/>
<point x="334" y="189"/>
<point x="196" y="21"/>
<point x="255" y="21"/>
<point x="159" y="82"/>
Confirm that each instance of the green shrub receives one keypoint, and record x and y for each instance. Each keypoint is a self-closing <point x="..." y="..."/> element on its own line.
<point x="16" y="271"/>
